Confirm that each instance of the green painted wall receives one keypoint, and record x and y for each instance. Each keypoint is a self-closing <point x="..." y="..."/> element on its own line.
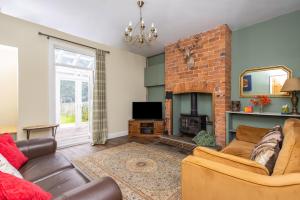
<point x="155" y="78"/>
<point x="155" y="70"/>
<point x="177" y="104"/>
<point x="156" y="93"/>
<point x="274" y="42"/>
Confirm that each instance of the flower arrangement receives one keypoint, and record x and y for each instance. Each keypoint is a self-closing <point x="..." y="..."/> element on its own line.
<point x="260" y="100"/>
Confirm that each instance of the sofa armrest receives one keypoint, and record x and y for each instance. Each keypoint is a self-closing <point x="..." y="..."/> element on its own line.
<point x="206" y="179"/>
<point x="230" y="160"/>
<point x="250" y="134"/>
<point x="104" y="189"/>
<point x="37" y="147"/>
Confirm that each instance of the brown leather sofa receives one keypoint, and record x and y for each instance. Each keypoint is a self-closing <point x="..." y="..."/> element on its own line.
<point x="55" y="174"/>
<point x="231" y="175"/>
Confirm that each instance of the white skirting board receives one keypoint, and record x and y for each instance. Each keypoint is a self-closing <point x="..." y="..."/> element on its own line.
<point x="117" y="134"/>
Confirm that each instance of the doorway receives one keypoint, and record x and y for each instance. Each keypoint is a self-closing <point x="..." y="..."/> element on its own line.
<point x="9" y="70"/>
<point x="74" y="83"/>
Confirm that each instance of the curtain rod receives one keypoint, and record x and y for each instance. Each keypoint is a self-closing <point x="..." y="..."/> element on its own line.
<point x="50" y="36"/>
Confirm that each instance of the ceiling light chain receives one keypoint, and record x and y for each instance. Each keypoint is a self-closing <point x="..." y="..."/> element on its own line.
<point x="140" y="37"/>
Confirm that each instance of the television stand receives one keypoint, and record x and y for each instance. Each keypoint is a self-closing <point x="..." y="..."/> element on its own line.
<point x="145" y="128"/>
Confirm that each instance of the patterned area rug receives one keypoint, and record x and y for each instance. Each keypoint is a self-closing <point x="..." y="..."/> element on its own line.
<point x="143" y="172"/>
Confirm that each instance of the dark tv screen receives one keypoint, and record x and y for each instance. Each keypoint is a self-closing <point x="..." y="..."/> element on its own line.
<point x="147" y="110"/>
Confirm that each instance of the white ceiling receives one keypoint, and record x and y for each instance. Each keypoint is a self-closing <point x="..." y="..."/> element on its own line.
<point x="104" y="21"/>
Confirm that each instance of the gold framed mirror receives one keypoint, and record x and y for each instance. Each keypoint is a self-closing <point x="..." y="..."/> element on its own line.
<point x="264" y="81"/>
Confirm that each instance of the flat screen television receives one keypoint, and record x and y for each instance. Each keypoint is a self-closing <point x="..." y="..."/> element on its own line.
<point x="147" y="110"/>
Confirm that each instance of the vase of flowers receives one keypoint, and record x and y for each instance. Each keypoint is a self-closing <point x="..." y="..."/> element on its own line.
<point x="261" y="101"/>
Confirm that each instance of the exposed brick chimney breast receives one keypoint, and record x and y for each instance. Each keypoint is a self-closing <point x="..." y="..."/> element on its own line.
<point x="211" y="73"/>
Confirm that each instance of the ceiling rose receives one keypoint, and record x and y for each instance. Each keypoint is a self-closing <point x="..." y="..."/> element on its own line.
<point x="137" y="34"/>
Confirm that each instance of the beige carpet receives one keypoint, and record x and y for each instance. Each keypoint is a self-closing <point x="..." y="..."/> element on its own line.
<point x="143" y="172"/>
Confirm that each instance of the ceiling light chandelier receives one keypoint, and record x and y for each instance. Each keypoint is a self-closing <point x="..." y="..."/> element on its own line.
<point x="138" y="35"/>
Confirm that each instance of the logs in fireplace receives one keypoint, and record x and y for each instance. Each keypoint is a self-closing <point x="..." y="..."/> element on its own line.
<point x="193" y="123"/>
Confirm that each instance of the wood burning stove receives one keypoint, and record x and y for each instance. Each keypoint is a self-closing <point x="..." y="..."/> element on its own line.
<point x="193" y="123"/>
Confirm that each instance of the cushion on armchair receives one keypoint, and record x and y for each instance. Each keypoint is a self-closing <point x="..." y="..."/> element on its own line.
<point x="230" y="160"/>
<point x="250" y="134"/>
<point x="267" y="150"/>
<point x="239" y="148"/>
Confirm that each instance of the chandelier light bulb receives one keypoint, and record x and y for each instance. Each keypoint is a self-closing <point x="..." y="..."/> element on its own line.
<point x="155" y="35"/>
<point x="130" y="23"/>
<point x="129" y="28"/>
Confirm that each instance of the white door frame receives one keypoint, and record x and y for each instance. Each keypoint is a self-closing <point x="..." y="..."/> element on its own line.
<point x="53" y="44"/>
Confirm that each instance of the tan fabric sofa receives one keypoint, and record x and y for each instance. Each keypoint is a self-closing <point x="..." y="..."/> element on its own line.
<point x="231" y="175"/>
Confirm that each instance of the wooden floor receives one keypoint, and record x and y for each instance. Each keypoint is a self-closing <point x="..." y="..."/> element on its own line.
<point x="86" y="149"/>
<point x="66" y="136"/>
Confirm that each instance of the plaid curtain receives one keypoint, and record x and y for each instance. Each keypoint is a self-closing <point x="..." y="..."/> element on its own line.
<point x="99" y="131"/>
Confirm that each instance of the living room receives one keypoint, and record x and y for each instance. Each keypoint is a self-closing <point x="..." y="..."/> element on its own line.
<point x="150" y="99"/>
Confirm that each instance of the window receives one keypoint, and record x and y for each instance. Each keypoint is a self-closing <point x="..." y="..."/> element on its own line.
<point x="72" y="59"/>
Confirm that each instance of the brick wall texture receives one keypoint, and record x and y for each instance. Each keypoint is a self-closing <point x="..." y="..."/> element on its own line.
<point x="210" y="74"/>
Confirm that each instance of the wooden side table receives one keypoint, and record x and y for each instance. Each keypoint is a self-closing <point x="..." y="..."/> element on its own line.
<point x="53" y="127"/>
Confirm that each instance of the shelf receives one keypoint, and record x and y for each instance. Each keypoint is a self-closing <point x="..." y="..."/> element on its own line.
<point x="256" y="119"/>
<point x="273" y="114"/>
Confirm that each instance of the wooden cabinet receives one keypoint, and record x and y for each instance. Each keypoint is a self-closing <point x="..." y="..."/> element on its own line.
<point x="145" y="128"/>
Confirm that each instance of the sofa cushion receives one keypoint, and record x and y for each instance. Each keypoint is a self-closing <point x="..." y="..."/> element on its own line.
<point x="239" y="148"/>
<point x="10" y="151"/>
<point x="43" y="166"/>
<point x="6" y="167"/>
<point x="61" y="182"/>
<point x="267" y="150"/>
<point x="288" y="160"/>
<point x="14" y="188"/>
<point x="6" y="137"/>
<point x="230" y="160"/>
<point x="250" y="134"/>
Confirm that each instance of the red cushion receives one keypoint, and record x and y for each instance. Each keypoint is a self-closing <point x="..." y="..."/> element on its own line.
<point x="13" y="188"/>
<point x="10" y="151"/>
<point x="6" y="137"/>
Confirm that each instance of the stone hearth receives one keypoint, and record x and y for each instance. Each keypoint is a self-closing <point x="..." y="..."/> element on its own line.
<point x="210" y="73"/>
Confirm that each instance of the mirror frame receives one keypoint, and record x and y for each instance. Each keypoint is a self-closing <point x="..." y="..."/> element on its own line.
<point x="254" y="69"/>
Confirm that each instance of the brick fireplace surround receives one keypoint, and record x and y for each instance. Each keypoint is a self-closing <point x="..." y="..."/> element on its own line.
<point x="210" y="74"/>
